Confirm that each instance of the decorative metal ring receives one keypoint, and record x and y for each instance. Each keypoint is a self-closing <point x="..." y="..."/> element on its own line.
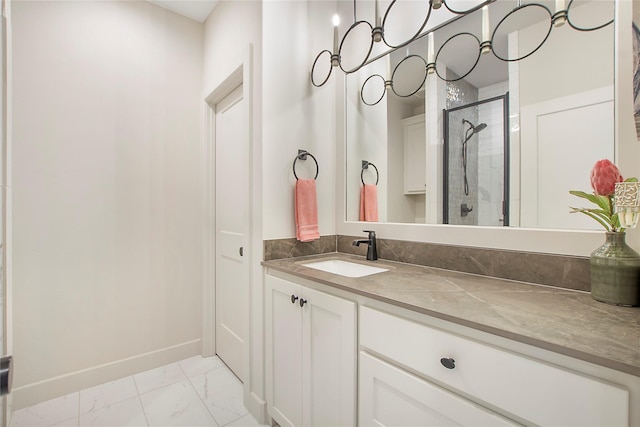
<point x="384" y="20"/>
<point x="372" y="82"/>
<point x="302" y="155"/>
<point x="516" y="10"/>
<point x="314" y="67"/>
<point x="365" y="165"/>
<point x="474" y="64"/>
<point x="421" y="82"/>
<point x="351" y="28"/>
<point x="461" y="12"/>
<point x="575" y="27"/>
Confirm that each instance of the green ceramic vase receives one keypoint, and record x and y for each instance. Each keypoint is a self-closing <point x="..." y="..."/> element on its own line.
<point x="615" y="272"/>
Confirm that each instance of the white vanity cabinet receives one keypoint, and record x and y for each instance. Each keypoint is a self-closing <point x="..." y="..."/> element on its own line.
<point x="310" y="355"/>
<point x="415" y="374"/>
<point x="415" y="160"/>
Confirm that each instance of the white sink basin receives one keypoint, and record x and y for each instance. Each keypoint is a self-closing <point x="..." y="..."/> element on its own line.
<point x="345" y="268"/>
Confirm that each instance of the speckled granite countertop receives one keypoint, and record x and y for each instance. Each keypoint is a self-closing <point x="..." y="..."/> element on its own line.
<point x="564" y="321"/>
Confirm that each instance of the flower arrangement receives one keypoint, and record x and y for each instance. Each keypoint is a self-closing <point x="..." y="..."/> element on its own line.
<point x="604" y="177"/>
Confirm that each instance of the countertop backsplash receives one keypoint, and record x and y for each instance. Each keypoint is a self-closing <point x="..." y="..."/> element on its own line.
<point x="568" y="272"/>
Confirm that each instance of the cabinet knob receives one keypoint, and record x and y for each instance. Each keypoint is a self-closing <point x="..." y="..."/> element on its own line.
<point x="302" y="302"/>
<point x="448" y="362"/>
<point x="293" y="299"/>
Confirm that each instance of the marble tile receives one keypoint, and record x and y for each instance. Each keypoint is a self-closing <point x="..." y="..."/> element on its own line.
<point x="48" y="413"/>
<point x="102" y="396"/>
<point x="246" y="421"/>
<point x="199" y="365"/>
<point x="123" y="413"/>
<point x="222" y="393"/>
<point x="73" y="422"/>
<point x="176" y="405"/>
<point x="290" y="248"/>
<point x="159" y="377"/>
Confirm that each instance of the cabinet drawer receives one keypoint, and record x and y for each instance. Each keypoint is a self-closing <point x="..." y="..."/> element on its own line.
<point x="528" y="389"/>
<point x="390" y="396"/>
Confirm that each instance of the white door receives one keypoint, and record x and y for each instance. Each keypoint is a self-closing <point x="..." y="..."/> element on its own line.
<point x="232" y="226"/>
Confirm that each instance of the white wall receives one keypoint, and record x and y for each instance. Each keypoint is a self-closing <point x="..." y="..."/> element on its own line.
<point x="229" y="30"/>
<point x="107" y="192"/>
<point x="295" y="113"/>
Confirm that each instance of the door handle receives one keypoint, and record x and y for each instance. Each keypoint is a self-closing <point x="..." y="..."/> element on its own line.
<point x="6" y="375"/>
<point x="241" y="251"/>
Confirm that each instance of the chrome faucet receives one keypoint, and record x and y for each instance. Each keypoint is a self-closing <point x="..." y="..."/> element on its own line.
<point x="372" y="250"/>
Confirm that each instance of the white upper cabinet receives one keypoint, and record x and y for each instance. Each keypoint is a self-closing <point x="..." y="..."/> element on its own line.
<point x="415" y="160"/>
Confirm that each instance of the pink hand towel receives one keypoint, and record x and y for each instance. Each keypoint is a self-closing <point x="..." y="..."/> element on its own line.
<point x="369" y="203"/>
<point x="306" y="207"/>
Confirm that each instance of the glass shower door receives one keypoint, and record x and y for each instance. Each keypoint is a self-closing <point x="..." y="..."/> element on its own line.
<point x="476" y="186"/>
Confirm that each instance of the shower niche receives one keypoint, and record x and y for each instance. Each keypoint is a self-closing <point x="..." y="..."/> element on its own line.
<point x="476" y="163"/>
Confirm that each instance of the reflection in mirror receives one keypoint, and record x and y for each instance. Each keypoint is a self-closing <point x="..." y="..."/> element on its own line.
<point x="476" y="140"/>
<point x="555" y="103"/>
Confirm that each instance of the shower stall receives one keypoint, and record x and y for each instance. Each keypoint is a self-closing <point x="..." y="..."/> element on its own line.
<point x="476" y="163"/>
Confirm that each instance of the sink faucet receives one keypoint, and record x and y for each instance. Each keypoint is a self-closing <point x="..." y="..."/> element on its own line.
<point x="372" y="251"/>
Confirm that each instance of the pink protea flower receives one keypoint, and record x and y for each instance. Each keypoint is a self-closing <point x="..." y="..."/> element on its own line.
<point x="604" y="176"/>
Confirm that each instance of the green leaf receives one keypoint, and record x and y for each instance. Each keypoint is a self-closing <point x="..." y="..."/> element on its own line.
<point x="632" y="179"/>
<point x="589" y="196"/>
<point x="601" y="201"/>
<point x="594" y="216"/>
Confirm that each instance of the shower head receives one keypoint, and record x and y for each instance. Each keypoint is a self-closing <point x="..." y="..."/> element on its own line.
<point x="474" y="129"/>
<point x="479" y="128"/>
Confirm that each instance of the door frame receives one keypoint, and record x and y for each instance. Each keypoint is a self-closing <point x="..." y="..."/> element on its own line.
<point x="253" y="387"/>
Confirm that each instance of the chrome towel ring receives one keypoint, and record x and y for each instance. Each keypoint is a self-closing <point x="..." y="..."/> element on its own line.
<point x="302" y="155"/>
<point x="365" y="165"/>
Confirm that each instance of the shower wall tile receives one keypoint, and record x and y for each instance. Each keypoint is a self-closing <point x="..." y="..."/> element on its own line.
<point x="460" y="93"/>
<point x="290" y="248"/>
<point x="569" y="272"/>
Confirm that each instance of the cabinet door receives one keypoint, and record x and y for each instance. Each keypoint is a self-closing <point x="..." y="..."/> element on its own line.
<point x="328" y="360"/>
<point x="390" y="396"/>
<point x="415" y="155"/>
<point x="284" y="351"/>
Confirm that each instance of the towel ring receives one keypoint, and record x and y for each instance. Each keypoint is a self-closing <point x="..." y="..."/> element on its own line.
<point x="365" y="165"/>
<point x="302" y="155"/>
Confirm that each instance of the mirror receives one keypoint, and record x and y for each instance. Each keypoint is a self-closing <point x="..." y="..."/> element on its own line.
<point x="526" y="121"/>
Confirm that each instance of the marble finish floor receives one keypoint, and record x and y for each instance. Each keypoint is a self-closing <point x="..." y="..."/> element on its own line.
<point x="193" y="392"/>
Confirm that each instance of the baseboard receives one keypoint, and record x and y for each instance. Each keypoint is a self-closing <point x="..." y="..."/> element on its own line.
<point x="258" y="408"/>
<point x="31" y="394"/>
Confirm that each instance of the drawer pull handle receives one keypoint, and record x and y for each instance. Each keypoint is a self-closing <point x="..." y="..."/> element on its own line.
<point x="448" y="362"/>
<point x="293" y="299"/>
<point x="302" y="302"/>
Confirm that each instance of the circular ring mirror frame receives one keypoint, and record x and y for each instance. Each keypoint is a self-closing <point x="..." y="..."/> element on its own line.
<point x="412" y="38"/>
<point x="474" y="63"/>
<point x="371" y="104"/>
<point x="577" y="27"/>
<point x="517" y="10"/>
<point x="422" y="79"/>
<point x="313" y="81"/>
<point x="353" y="27"/>
<point x="513" y="13"/>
